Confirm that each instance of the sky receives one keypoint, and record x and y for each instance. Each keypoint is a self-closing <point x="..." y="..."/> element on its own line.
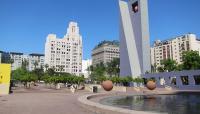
<point x="25" y="24"/>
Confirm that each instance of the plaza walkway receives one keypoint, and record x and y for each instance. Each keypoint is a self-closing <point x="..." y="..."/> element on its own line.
<point x="42" y="101"/>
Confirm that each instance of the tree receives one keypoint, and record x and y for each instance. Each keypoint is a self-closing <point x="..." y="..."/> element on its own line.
<point x="153" y="68"/>
<point x="23" y="76"/>
<point x="116" y="66"/>
<point x="109" y="69"/>
<point x="169" y="65"/>
<point x="98" y="72"/>
<point x="50" y="71"/>
<point x="46" y="79"/>
<point x="25" y="63"/>
<point x="46" y="66"/>
<point x="11" y="61"/>
<point x="160" y="69"/>
<point x="191" y="60"/>
<point x="138" y="80"/>
<point x="179" y="67"/>
<point x="39" y="72"/>
<point x="18" y="73"/>
<point x="115" y="79"/>
<point x="35" y="64"/>
<point x="63" y="78"/>
<point x="126" y="80"/>
<point x="90" y="68"/>
<point x="61" y="67"/>
<point x="112" y="67"/>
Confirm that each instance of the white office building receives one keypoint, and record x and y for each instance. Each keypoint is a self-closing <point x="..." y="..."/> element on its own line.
<point x="65" y="54"/>
<point x="173" y="48"/>
<point x="85" y="67"/>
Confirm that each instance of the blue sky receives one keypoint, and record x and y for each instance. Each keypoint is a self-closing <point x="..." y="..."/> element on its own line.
<point x="24" y="24"/>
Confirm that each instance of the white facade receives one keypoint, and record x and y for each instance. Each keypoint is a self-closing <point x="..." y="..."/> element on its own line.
<point x="85" y="65"/>
<point x="106" y="52"/>
<point x="26" y="58"/>
<point x="134" y="38"/>
<point x="35" y="61"/>
<point x="16" y="59"/>
<point x="173" y="48"/>
<point x="65" y="52"/>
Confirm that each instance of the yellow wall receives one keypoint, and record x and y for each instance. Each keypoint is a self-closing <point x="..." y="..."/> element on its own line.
<point x="5" y="71"/>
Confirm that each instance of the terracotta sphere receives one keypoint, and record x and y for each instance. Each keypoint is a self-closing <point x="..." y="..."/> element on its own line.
<point x="107" y="85"/>
<point x="151" y="85"/>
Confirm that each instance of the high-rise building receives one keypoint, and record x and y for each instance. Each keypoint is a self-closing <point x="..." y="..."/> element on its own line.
<point x="65" y="54"/>
<point x="85" y="67"/>
<point x="134" y="38"/>
<point x="173" y="48"/>
<point x="16" y="59"/>
<point x="5" y="57"/>
<point x="105" y="52"/>
<point x="1" y="52"/>
<point x="35" y="61"/>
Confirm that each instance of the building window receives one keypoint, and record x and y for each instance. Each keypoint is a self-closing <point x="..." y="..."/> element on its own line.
<point x="185" y="80"/>
<point x="197" y="79"/>
<point x="135" y="7"/>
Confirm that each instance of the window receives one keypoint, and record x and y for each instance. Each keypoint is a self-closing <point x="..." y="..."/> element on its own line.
<point x="135" y="7"/>
<point x="73" y="28"/>
<point x="197" y="79"/>
<point x="185" y="80"/>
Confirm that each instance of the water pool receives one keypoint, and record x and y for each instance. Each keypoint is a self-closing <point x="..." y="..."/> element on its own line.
<point x="181" y="103"/>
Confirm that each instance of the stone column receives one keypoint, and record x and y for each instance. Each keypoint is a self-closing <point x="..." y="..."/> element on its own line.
<point x="167" y="81"/>
<point x="157" y="81"/>
<point x="178" y="81"/>
<point x="191" y="80"/>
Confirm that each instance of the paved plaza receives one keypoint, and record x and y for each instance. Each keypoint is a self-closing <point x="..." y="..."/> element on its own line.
<point x="45" y="101"/>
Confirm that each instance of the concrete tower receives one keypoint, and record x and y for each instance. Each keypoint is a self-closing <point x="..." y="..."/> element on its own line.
<point x="134" y="38"/>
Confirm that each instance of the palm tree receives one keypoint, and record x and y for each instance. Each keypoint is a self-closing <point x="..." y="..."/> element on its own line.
<point x="116" y="66"/>
<point x="153" y="68"/>
<point x="11" y="61"/>
<point x="46" y="67"/>
<point x="35" y="64"/>
<point x="60" y="67"/>
<point x="51" y="71"/>
<point x="113" y="67"/>
<point x="25" y="64"/>
<point x="109" y="68"/>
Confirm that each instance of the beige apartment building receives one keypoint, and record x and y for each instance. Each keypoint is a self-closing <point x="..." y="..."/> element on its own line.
<point x="173" y="48"/>
<point x="65" y="54"/>
<point x="105" y="52"/>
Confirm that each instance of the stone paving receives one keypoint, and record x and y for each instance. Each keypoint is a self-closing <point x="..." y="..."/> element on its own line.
<point x="42" y="101"/>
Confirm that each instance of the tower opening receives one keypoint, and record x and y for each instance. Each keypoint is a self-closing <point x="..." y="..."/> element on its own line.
<point x="135" y="7"/>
